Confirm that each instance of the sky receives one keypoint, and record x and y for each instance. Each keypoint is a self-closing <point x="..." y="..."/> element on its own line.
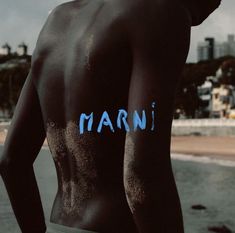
<point x="21" y="21"/>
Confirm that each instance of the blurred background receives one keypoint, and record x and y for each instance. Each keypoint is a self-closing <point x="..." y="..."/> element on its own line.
<point x="203" y="130"/>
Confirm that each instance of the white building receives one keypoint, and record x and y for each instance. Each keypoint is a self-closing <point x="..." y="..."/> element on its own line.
<point x="5" y="50"/>
<point x="205" y="95"/>
<point x="223" y="100"/>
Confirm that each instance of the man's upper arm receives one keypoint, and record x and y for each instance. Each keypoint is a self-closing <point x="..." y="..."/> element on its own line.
<point x="26" y="133"/>
<point x="159" y="54"/>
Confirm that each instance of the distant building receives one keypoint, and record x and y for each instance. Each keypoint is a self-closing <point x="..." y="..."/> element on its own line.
<point x="209" y="49"/>
<point x="216" y="100"/>
<point x="225" y="48"/>
<point x="205" y="95"/>
<point x="22" y="49"/>
<point x="223" y="100"/>
<point x="231" y="44"/>
<point x="203" y="51"/>
<point x="5" y="50"/>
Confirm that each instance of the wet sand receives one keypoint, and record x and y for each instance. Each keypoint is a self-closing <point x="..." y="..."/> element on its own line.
<point x="211" y="146"/>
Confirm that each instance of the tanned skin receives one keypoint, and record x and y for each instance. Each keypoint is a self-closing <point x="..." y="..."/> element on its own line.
<point x="92" y="56"/>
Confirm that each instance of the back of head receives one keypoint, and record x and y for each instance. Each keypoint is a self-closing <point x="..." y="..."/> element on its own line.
<point x="201" y="9"/>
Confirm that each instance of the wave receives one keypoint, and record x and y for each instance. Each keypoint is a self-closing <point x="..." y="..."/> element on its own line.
<point x="188" y="157"/>
<point x="203" y="159"/>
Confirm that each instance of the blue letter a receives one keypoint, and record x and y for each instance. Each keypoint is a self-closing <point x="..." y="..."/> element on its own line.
<point x="105" y="120"/>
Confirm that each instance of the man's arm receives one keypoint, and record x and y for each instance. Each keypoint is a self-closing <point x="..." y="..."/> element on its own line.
<point x="22" y="145"/>
<point x="159" y="57"/>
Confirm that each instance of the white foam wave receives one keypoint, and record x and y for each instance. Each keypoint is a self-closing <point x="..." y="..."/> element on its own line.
<point x="203" y="159"/>
<point x="191" y="158"/>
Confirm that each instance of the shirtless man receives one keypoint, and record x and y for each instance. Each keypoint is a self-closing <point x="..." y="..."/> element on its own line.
<point x="96" y="56"/>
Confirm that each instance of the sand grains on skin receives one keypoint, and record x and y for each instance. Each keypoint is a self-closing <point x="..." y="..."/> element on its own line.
<point x="75" y="164"/>
<point x="132" y="183"/>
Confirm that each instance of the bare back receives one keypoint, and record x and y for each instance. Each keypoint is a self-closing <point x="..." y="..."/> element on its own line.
<point x="83" y="63"/>
<point x="73" y="64"/>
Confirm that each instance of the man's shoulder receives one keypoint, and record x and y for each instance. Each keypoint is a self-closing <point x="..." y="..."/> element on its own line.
<point x="157" y="18"/>
<point x="159" y="31"/>
<point x="59" y="14"/>
<point x="54" y="27"/>
<point x="157" y="11"/>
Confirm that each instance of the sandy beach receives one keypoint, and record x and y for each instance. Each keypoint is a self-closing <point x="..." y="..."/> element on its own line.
<point x="211" y="146"/>
<point x="2" y="137"/>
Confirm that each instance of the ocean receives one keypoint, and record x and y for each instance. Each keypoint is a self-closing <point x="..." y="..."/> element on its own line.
<point x="200" y="181"/>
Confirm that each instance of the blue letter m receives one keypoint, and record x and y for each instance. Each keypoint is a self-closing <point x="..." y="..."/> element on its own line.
<point x="84" y="117"/>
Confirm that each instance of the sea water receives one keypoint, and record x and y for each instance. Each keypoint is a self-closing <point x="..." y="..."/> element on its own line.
<point x="203" y="181"/>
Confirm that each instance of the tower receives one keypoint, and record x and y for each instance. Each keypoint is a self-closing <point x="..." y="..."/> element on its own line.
<point x="203" y="51"/>
<point x="5" y="49"/>
<point x="22" y="49"/>
<point x="231" y="44"/>
<point x="211" y="46"/>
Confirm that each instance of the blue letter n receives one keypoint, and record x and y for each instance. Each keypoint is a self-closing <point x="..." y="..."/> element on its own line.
<point x="137" y="122"/>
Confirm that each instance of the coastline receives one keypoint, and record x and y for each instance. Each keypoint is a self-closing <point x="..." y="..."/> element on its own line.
<point x="214" y="147"/>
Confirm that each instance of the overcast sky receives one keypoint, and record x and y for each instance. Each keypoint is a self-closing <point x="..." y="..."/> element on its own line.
<point x="21" y="20"/>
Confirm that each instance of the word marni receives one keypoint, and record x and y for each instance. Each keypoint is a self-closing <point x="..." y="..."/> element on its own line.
<point x="138" y="122"/>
